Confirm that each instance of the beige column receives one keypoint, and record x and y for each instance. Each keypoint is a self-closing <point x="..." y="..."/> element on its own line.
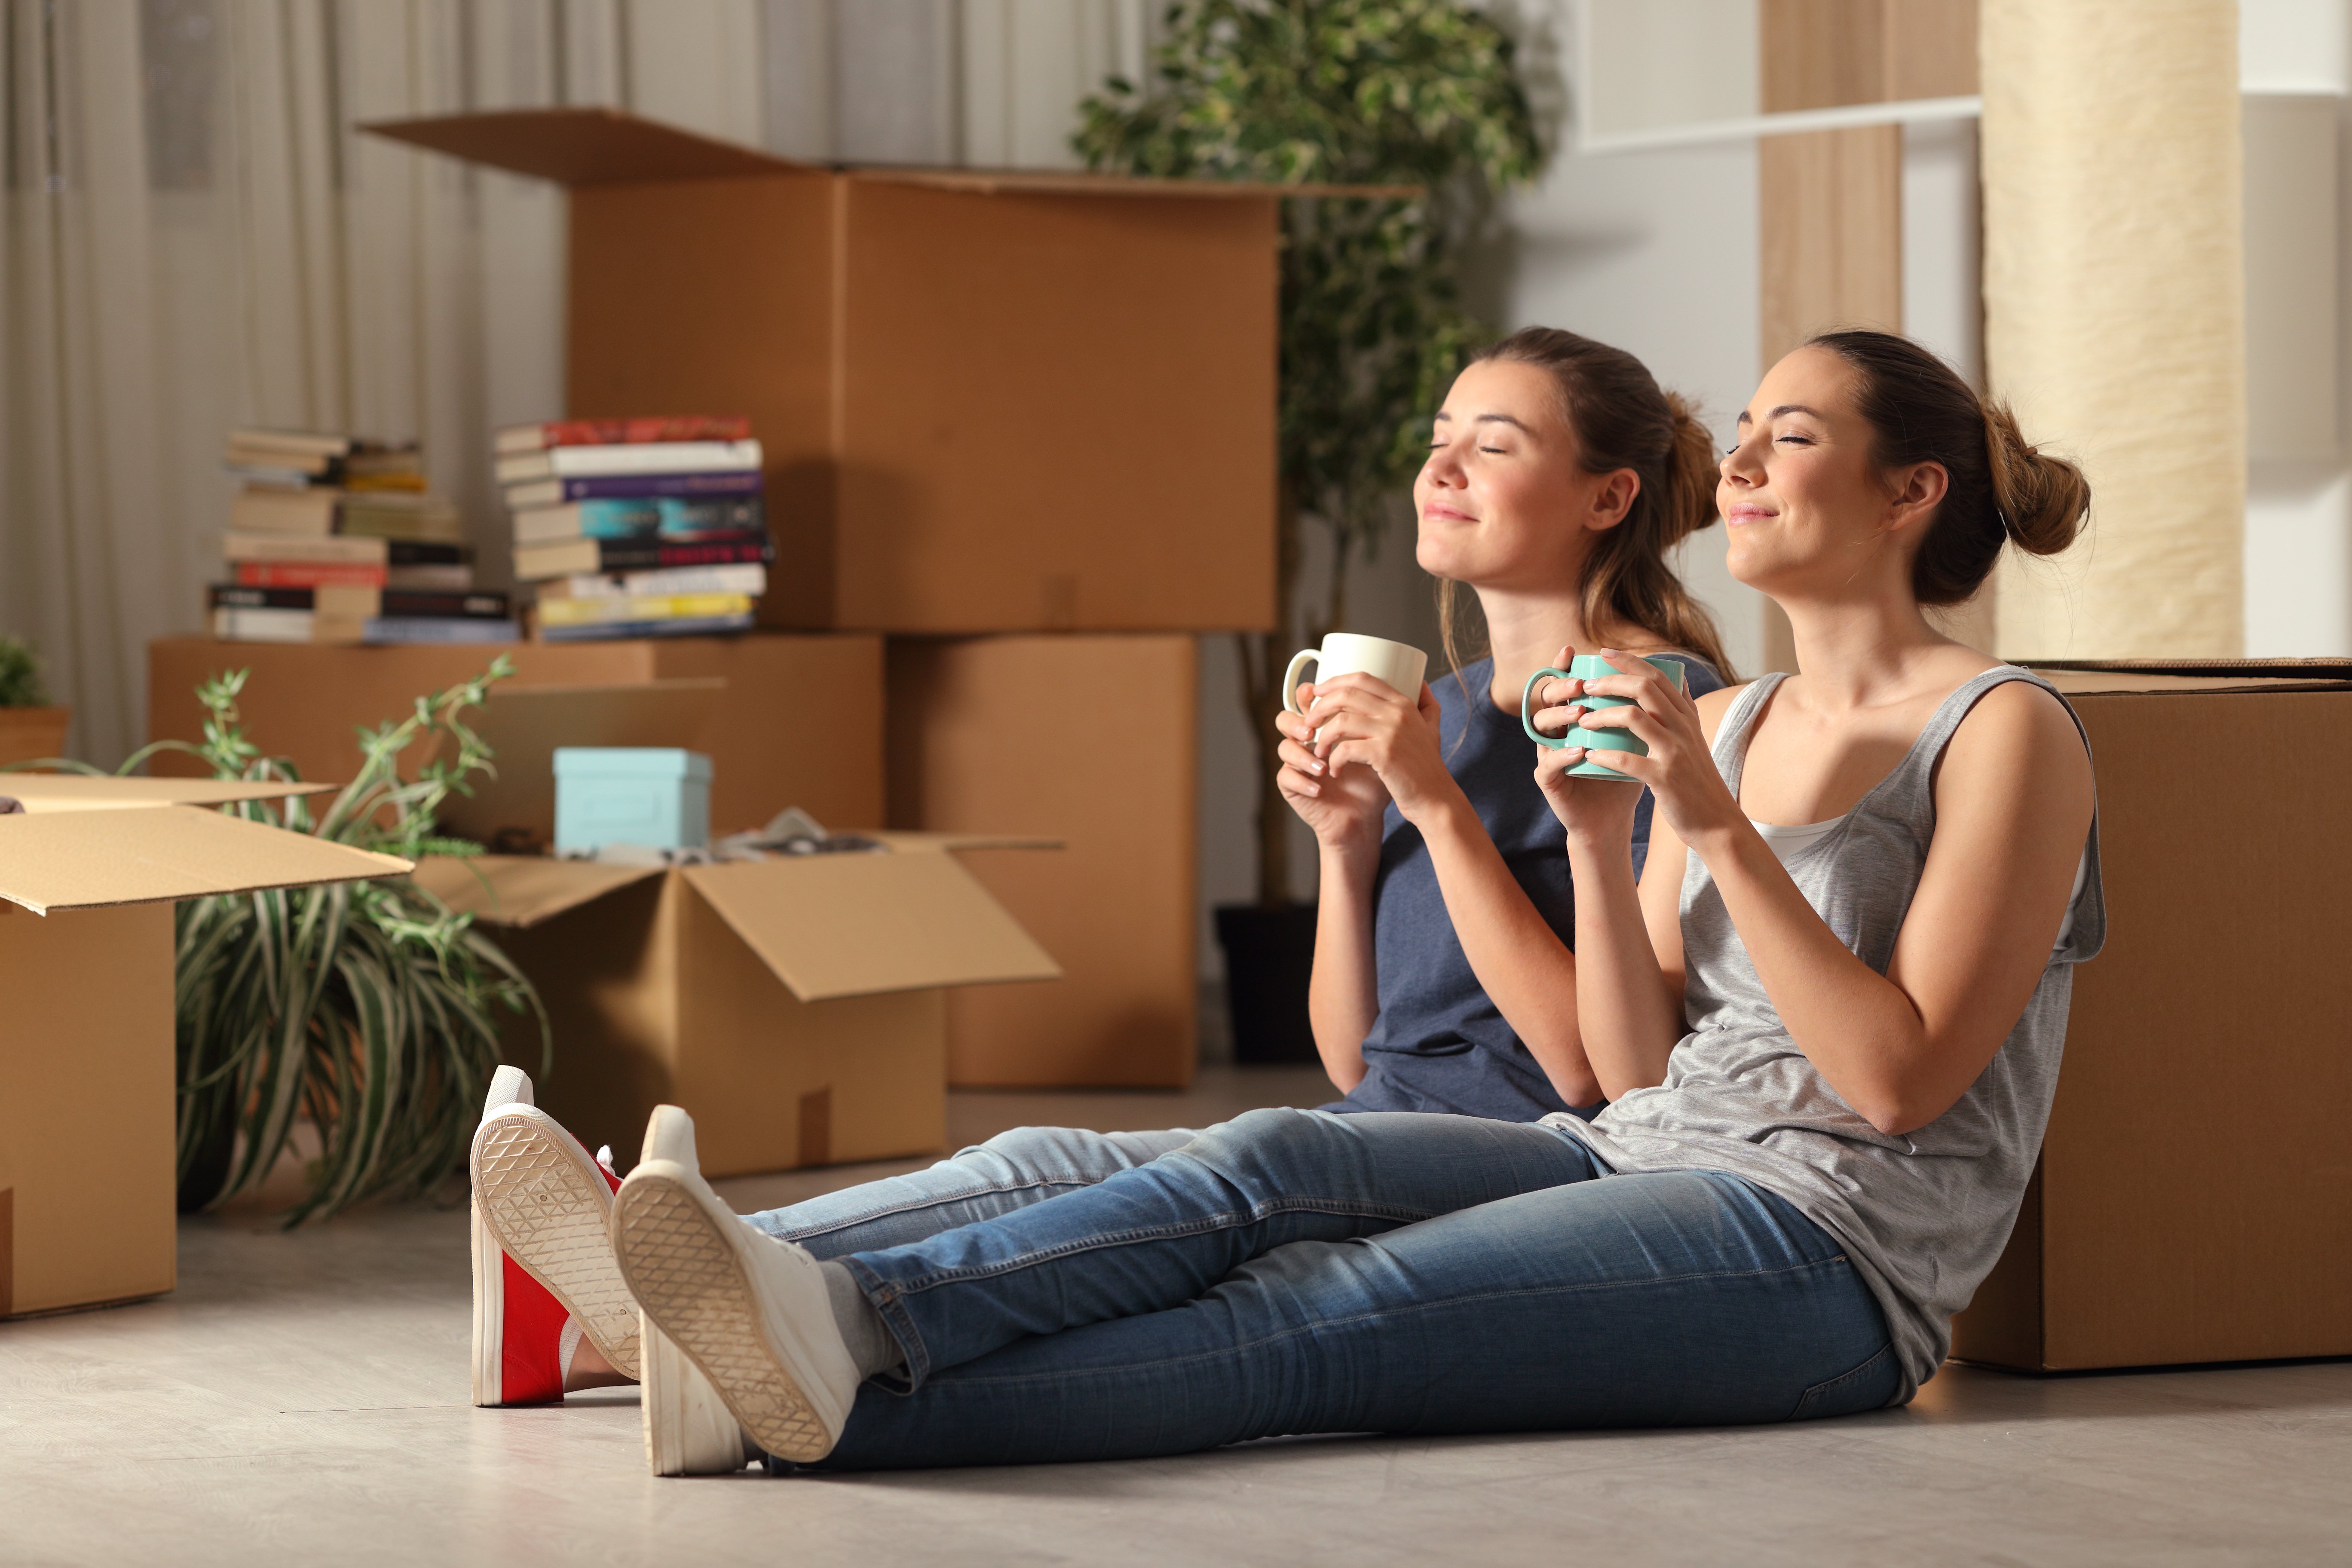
<point x="2115" y="313"/>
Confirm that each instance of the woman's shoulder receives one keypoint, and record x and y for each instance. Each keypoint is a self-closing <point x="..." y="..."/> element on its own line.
<point x="2013" y="720"/>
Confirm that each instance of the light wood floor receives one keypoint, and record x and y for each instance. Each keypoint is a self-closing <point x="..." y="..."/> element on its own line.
<point x="301" y="1399"/>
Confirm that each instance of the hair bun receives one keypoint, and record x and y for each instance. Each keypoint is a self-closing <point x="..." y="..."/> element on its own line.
<point x="2042" y="501"/>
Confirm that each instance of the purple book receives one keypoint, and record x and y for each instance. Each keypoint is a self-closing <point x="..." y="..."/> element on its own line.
<point x="627" y="487"/>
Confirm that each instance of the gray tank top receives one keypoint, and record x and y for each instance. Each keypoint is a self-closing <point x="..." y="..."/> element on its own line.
<point x="1923" y="1216"/>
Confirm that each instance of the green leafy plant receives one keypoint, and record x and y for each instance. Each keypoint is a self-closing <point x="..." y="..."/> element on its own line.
<point x="366" y="1008"/>
<point x="20" y="676"/>
<point x="1420" y="93"/>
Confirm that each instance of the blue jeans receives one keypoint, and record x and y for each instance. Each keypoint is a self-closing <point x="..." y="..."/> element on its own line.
<point x="1293" y="1271"/>
<point x="1011" y="1170"/>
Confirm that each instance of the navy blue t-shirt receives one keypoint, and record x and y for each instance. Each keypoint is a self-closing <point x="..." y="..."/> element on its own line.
<point x="1439" y="1044"/>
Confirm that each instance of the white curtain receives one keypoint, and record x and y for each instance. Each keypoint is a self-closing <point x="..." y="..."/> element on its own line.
<point x="197" y="237"/>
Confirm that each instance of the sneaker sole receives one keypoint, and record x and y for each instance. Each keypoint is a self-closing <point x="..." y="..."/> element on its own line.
<point x="549" y="1213"/>
<point x="690" y="1281"/>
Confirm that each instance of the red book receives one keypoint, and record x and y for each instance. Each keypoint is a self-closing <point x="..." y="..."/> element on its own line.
<point x="537" y="437"/>
<point x="308" y="575"/>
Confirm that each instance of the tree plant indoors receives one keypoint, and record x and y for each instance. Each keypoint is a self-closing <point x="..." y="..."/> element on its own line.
<point x="1420" y="93"/>
<point x="369" y="1009"/>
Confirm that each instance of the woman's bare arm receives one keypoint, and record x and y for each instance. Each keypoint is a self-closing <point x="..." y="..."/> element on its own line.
<point x="1628" y="938"/>
<point x="1343" y="994"/>
<point x="2013" y="801"/>
<point x="1524" y="967"/>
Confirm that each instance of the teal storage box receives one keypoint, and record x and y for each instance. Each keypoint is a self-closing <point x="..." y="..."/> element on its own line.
<point x="658" y="796"/>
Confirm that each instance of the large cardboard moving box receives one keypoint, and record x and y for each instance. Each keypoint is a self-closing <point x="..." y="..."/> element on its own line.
<point x="792" y="1005"/>
<point x="88" y="872"/>
<point x="909" y="344"/>
<point x="2194" y="1202"/>
<point x="797" y="722"/>
<point x="1088" y="740"/>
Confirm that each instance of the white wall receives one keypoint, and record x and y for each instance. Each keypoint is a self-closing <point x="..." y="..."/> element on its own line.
<point x="2299" y="492"/>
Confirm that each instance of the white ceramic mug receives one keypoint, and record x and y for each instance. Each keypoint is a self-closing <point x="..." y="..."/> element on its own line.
<point x="1345" y="653"/>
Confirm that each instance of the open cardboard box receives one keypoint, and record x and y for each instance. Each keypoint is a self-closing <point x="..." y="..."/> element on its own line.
<point x="793" y="1006"/>
<point x="88" y="873"/>
<point x="2194" y="1199"/>
<point x="899" y="336"/>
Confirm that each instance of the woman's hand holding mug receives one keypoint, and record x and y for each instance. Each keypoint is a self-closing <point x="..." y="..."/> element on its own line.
<point x="1354" y="739"/>
<point x="1344" y="809"/>
<point x="1678" y="766"/>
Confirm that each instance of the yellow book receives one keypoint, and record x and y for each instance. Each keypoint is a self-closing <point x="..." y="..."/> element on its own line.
<point x="640" y="608"/>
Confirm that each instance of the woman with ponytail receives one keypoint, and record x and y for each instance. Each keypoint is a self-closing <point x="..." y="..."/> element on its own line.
<point x="1827" y="1016"/>
<point x="1558" y="479"/>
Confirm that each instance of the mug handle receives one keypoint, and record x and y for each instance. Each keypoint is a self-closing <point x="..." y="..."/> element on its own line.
<point x="1290" y="679"/>
<point x="1527" y="716"/>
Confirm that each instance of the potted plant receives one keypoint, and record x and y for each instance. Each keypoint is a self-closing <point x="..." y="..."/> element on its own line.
<point x="368" y="1009"/>
<point x="1423" y="93"/>
<point x="30" y="729"/>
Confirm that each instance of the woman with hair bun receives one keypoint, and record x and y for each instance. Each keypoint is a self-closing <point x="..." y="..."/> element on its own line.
<point x="1828" y="1018"/>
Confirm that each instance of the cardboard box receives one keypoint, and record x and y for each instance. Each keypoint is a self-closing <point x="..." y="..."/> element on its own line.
<point x="792" y="1005"/>
<point x="1089" y="741"/>
<point x="798" y="721"/>
<point x="2194" y="1200"/>
<point x="88" y="876"/>
<point x="908" y="341"/>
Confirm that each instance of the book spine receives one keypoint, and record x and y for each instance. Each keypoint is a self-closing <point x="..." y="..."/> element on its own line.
<point x="624" y="432"/>
<point x="631" y="607"/>
<point x="439" y="629"/>
<point x="409" y="603"/>
<point x="307" y="574"/>
<point x="600" y="630"/>
<point x="424" y="552"/>
<point x="682" y="580"/>
<point x="665" y="557"/>
<point x="632" y="486"/>
<point x="650" y="457"/>
<point x="304" y="547"/>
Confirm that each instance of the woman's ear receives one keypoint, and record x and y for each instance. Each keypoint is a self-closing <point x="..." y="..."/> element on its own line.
<point x="1612" y="499"/>
<point x="1919" y="489"/>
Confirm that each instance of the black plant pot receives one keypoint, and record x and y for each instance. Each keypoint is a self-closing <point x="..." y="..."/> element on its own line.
<point x="1269" y="954"/>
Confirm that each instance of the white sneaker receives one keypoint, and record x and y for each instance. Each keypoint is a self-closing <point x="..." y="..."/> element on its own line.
<point x="545" y="1201"/>
<point x="751" y="1311"/>
<point x="689" y="1431"/>
<point x="523" y="1337"/>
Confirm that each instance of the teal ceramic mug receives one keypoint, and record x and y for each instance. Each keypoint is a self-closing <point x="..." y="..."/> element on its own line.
<point x="1591" y="667"/>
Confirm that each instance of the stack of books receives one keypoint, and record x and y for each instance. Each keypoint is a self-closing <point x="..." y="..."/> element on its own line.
<point x="632" y="528"/>
<point x="337" y="538"/>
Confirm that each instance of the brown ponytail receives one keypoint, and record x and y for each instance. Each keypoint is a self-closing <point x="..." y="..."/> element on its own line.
<point x="1623" y="420"/>
<point x="1998" y="490"/>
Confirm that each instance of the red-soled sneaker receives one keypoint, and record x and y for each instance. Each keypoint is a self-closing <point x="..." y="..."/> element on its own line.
<point x="545" y="1206"/>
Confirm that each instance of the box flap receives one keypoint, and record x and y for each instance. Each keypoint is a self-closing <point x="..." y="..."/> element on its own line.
<point x="2083" y="678"/>
<point x="852" y="925"/>
<point x="949" y="841"/>
<point x="79" y="792"/>
<point x="1076" y="183"/>
<point x="521" y="890"/>
<point x="84" y="859"/>
<point x="523" y="725"/>
<point x="608" y="147"/>
<point x="583" y="146"/>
